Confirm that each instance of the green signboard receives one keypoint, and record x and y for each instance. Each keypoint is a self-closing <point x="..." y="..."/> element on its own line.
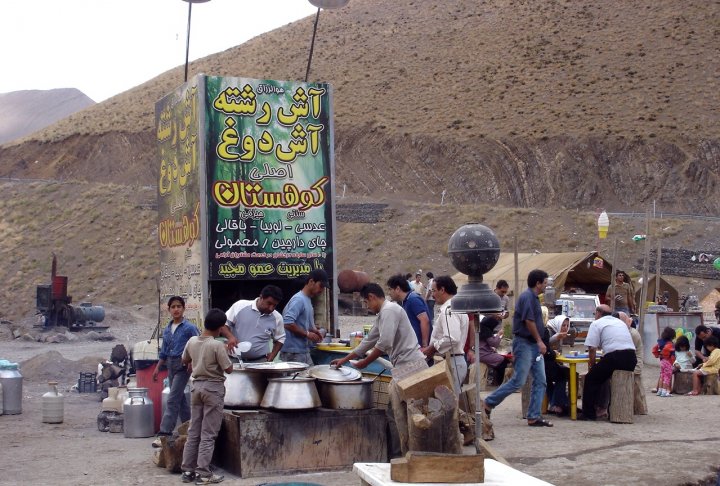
<point x="269" y="183"/>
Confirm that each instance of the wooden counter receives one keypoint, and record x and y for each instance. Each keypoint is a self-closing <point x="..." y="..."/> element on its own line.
<point x="258" y="443"/>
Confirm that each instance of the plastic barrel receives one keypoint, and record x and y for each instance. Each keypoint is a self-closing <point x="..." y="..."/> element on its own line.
<point x="59" y="287"/>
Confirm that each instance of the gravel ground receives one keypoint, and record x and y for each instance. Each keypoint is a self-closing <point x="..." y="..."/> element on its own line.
<point x="674" y="444"/>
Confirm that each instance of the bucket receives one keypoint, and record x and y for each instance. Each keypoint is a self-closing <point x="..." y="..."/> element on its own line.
<point x="12" y="382"/>
<point x="138" y="414"/>
<point x="53" y="409"/>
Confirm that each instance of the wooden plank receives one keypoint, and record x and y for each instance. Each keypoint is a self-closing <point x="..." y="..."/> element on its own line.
<point x="427" y="467"/>
<point x="423" y="383"/>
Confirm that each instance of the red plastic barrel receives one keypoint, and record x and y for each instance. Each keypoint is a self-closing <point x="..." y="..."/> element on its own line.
<point x="59" y="287"/>
<point x="145" y="380"/>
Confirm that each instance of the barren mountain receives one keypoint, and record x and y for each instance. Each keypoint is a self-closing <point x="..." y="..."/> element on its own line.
<point x="529" y="115"/>
<point x="513" y="102"/>
<point x="25" y="112"/>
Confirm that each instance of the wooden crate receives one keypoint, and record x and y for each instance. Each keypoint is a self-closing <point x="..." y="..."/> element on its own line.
<point x="259" y="443"/>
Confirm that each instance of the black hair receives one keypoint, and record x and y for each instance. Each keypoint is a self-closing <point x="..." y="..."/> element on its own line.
<point x="372" y="288"/>
<point x="711" y="341"/>
<point x="176" y="298"/>
<point x="430" y="275"/>
<point x="214" y="319"/>
<point x="667" y="334"/>
<point x="271" y="291"/>
<point x="501" y="284"/>
<point x="408" y="276"/>
<point x="535" y="277"/>
<point x="399" y="281"/>
<point x="447" y="283"/>
<point x="487" y="327"/>
<point x="682" y="342"/>
<point x="318" y="275"/>
<point x="701" y="328"/>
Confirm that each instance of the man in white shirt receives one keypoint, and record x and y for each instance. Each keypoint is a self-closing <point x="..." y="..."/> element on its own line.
<point x="612" y="336"/>
<point x="449" y="331"/>
<point x="257" y="322"/>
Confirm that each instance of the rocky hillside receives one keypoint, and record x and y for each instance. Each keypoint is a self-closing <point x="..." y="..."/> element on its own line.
<point x="513" y="102"/>
<point x="26" y="112"/>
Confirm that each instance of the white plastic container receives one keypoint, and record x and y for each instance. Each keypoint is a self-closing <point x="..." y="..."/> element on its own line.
<point x="53" y="407"/>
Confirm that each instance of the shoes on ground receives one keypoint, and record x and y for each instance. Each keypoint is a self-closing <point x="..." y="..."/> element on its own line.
<point x="157" y="443"/>
<point x="214" y="479"/>
<point x="666" y="394"/>
<point x="188" y="477"/>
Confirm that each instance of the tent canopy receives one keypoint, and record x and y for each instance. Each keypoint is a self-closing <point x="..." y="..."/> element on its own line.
<point x="578" y="270"/>
<point x="665" y="286"/>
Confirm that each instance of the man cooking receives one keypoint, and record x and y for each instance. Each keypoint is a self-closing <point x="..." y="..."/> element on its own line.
<point x="257" y="322"/>
<point x="393" y="335"/>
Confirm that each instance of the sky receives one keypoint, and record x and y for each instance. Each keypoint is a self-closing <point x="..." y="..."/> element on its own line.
<point x="105" y="47"/>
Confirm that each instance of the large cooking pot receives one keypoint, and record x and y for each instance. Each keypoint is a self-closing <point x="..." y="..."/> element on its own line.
<point x="291" y="393"/>
<point x="346" y="395"/>
<point x="244" y="388"/>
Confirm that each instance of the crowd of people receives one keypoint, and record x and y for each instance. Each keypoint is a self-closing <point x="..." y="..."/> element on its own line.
<point x="411" y="331"/>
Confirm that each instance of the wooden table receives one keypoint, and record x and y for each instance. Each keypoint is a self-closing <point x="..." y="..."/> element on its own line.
<point x="496" y="473"/>
<point x="573" y="361"/>
<point x="255" y="443"/>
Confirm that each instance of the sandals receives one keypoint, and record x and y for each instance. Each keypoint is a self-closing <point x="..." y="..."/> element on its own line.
<point x="540" y="423"/>
<point x="692" y="394"/>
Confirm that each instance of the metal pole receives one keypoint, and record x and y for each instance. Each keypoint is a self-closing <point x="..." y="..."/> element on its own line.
<point x="478" y="381"/>
<point x="312" y="45"/>
<point x="187" y="43"/>
<point x="613" y="274"/>
<point x="646" y="264"/>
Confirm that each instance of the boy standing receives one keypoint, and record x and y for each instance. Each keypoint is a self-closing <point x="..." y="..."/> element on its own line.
<point x="209" y="361"/>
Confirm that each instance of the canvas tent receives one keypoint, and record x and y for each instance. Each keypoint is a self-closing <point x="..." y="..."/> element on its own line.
<point x="665" y="286"/>
<point x="708" y="307"/>
<point x="578" y="270"/>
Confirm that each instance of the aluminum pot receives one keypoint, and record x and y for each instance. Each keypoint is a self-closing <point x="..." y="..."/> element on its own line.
<point x="346" y="395"/>
<point x="244" y="388"/>
<point x="291" y="393"/>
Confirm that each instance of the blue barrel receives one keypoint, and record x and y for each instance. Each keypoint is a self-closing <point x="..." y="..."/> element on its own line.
<point x="88" y="312"/>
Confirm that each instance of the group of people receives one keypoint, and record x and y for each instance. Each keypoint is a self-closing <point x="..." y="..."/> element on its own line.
<point x="404" y="330"/>
<point x="185" y="353"/>
<point x="533" y="350"/>
<point x="675" y="356"/>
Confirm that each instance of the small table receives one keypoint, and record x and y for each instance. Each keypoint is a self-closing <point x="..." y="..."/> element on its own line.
<point x="573" y="361"/>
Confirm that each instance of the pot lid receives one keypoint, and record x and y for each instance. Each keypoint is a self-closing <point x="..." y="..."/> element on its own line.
<point x="276" y="366"/>
<point x="330" y="373"/>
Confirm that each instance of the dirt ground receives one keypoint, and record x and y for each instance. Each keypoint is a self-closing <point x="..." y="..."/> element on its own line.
<point x="674" y="444"/>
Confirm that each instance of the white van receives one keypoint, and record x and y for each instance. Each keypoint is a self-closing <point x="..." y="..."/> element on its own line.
<point x="580" y="308"/>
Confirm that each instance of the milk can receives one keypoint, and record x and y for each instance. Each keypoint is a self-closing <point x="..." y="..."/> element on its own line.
<point x="138" y="411"/>
<point x="53" y="410"/>
<point x="166" y="395"/>
<point x="11" y="381"/>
